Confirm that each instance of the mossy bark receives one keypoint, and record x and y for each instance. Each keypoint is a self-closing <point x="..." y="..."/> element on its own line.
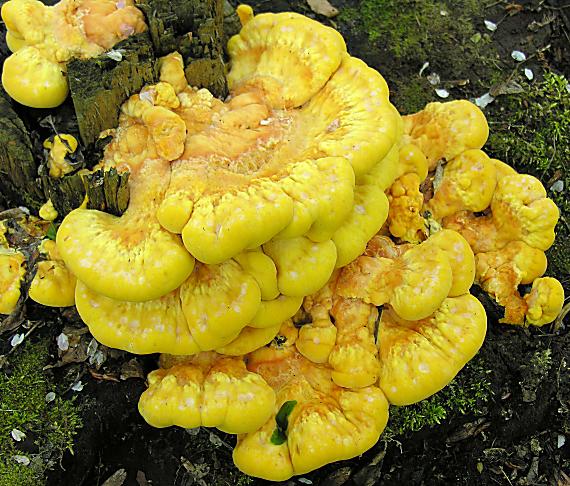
<point x="25" y="180"/>
<point x="108" y="191"/>
<point x="18" y="168"/>
<point x="100" y="85"/>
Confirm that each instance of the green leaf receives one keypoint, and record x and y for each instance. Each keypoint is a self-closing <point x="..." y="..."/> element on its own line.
<point x="52" y="231"/>
<point x="279" y="435"/>
<point x="282" y="417"/>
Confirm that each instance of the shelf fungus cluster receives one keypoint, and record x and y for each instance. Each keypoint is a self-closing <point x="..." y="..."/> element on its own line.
<point x="505" y="216"/>
<point x="320" y="391"/>
<point x="30" y="259"/>
<point x="300" y="253"/>
<point x="44" y="38"/>
<point x="238" y="209"/>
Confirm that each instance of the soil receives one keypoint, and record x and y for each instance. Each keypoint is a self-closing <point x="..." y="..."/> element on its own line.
<point x="522" y="436"/>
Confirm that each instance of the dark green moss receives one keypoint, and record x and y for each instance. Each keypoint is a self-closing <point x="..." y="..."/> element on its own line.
<point x="466" y="394"/>
<point x="407" y="33"/>
<point x="49" y="427"/>
<point x="411" y="28"/>
<point x="414" y="95"/>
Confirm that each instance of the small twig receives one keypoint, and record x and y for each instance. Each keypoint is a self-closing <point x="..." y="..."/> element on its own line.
<point x="505" y="474"/>
<point x="563" y="313"/>
<point x="551" y="158"/>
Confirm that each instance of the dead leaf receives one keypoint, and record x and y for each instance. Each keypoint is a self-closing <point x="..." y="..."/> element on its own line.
<point x="131" y="369"/>
<point x="141" y="479"/>
<point x="323" y="7"/>
<point x="196" y="471"/>
<point x="535" y="26"/>
<point x="468" y="430"/>
<point x="506" y="88"/>
<point x="117" y="479"/>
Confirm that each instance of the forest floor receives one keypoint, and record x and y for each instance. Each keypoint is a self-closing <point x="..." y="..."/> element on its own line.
<point x="506" y="417"/>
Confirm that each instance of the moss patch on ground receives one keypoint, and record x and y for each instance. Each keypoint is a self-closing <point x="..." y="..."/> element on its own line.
<point x="531" y="131"/>
<point x="49" y="426"/>
<point x="468" y="393"/>
<point x="417" y="31"/>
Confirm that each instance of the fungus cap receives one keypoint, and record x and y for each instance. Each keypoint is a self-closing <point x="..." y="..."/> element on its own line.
<point x="153" y="326"/>
<point x="468" y="183"/>
<point x="33" y="80"/>
<point x="444" y="130"/>
<point x="44" y="38"/>
<point x="414" y="284"/>
<point x="274" y="312"/>
<point x="208" y="311"/>
<point x="12" y="271"/>
<point x="303" y="266"/>
<point x="545" y="301"/>
<point x="61" y="146"/>
<point x="521" y="211"/>
<point x="220" y="393"/>
<point x="419" y="358"/>
<point x="249" y="339"/>
<point x="218" y="302"/>
<point x="461" y="258"/>
<point x="327" y="423"/>
<point x="53" y="284"/>
<point x="131" y="257"/>
<point x="267" y="42"/>
<point x="14" y="42"/>
<point x="501" y="272"/>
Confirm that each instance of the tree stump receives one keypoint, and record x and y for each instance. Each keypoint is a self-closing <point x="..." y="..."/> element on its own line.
<point x="98" y="87"/>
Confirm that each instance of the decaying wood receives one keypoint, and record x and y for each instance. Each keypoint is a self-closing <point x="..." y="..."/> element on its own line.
<point x="108" y="191"/>
<point x="195" y="28"/>
<point x="100" y="85"/>
<point x="18" y="168"/>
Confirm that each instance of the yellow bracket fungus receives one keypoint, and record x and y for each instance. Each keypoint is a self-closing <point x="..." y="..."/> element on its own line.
<point x="468" y="184"/>
<point x="332" y="378"/>
<point x="53" y="284"/>
<point x="12" y="271"/>
<point x="238" y="209"/>
<point x="544" y="301"/>
<point x="509" y="241"/>
<point x="48" y="211"/>
<point x="414" y="283"/>
<point x="264" y="231"/>
<point x="44" y="38"/>
<point x="505" y="217"/>
<point x="211" y="391"/>
<point x="59" y="148"/>
<point x="444" y="130"/>
<point x="405" y="219"/>
<point x="419" y="358"/>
